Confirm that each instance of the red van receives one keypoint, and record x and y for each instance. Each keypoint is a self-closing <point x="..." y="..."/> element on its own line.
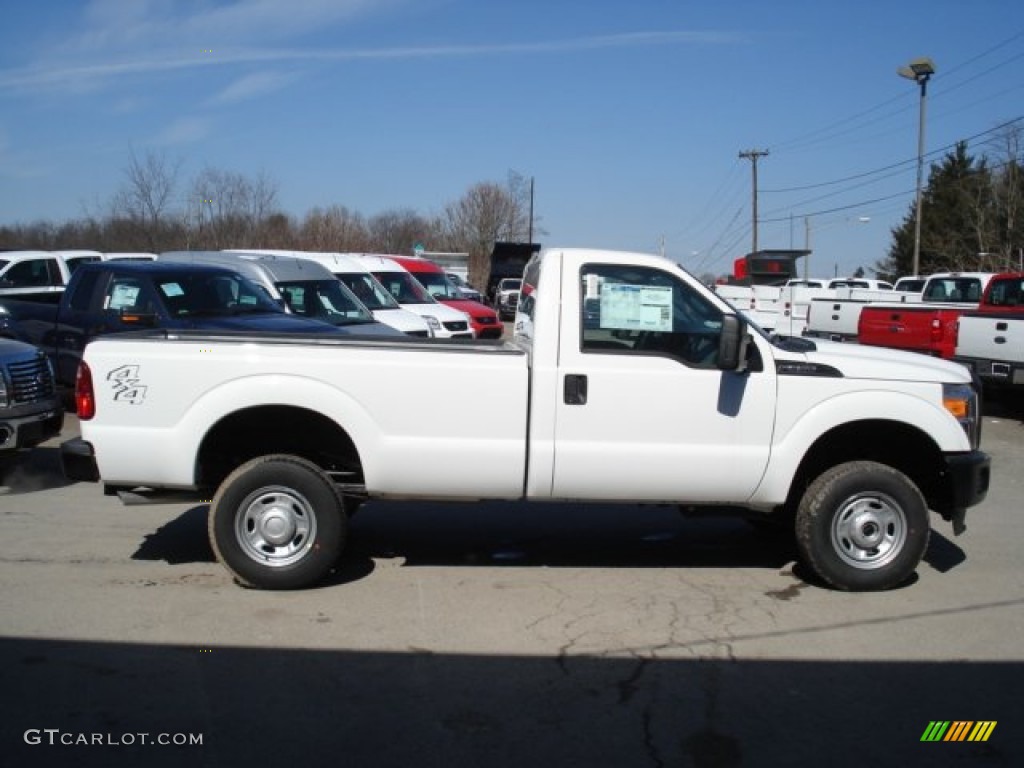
<point x="483" y="319"/>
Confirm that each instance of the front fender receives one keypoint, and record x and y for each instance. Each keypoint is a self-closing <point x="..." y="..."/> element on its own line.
<point x="921" y="410"/>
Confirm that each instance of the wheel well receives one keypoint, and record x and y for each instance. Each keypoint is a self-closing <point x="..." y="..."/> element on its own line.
<point x="893" y="443"/>
<point x="263" y="430"/>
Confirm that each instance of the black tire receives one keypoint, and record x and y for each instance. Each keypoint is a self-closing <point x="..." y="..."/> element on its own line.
<point x="277" y="522"/>
<point x="862" y="526"/>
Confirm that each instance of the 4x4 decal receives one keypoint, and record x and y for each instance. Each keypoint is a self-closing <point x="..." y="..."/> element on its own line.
<point x="125" y="381"/>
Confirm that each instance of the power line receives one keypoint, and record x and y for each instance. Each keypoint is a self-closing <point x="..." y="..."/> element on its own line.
<point x="892" y="166"/>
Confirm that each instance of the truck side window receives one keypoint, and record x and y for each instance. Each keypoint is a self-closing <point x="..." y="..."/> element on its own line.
<point x="642" y="310"/>
<point x="32" y="273"/>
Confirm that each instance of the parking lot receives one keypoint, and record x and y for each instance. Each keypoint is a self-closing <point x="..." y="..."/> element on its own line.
<point x="500" y="634"/>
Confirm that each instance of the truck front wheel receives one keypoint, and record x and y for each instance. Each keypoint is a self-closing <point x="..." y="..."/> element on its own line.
<point x="277" y="522"/>
<point x="862" y="526"/>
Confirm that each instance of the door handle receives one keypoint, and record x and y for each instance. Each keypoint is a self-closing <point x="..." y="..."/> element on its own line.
<point x="575" y="389"/>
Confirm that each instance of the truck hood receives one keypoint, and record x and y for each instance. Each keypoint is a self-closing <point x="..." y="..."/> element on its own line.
<point x="856" y="361"/>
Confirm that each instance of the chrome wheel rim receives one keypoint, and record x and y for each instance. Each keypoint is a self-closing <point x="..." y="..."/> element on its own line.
<point x="869" y="530"/>
<point x="275" y="526"/>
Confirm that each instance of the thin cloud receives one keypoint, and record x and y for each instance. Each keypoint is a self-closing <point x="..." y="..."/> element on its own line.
<point x="115" y="24"/>
<point x="252" y="86"/>
<point x="184" y="130"/>
<point x="77" y="74"/>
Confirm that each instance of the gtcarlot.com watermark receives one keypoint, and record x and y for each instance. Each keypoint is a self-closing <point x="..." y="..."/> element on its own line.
<point x="55" y="737"/>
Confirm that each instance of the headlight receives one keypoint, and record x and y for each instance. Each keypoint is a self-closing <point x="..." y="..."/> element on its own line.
<point x="3" y="389"/>
<point x="433" y="322"/>
<point x="961" y="400"/>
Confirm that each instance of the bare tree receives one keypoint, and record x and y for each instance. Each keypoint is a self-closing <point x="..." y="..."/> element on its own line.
<point x="230" y="210"/>
<point x="1008" y="193"/>
<point x="486" y="213"/>
<point x="397" y="231"/>
<point x="333" y="229"/>
<point x="146" y="198"/>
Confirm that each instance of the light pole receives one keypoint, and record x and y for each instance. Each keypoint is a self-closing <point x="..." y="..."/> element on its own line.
<point x="920" y="71"/>
<point x="807" y="240"/>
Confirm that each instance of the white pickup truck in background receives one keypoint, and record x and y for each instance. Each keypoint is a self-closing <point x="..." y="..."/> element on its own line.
<point x="627" y="381"/>
<point x="993" y="347"/>
<point x="836" y="317"/>
<point x="785" y="309"/>
<point x="991" y="341"/>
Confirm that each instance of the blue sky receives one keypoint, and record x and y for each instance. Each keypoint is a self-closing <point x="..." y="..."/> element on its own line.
<point x="628" y="115"/>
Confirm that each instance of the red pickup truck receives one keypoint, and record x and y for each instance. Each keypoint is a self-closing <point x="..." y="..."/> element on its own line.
<point x="928" y="326"/>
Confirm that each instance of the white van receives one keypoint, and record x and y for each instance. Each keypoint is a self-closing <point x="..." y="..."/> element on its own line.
<point x="302" y="287"/>
<point x="364" y="285"/>
<point x="445" y="321"/>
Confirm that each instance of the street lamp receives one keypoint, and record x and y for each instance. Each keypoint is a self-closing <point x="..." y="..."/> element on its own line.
<point x="807" y="239"/>
<point x="920" y="71"/>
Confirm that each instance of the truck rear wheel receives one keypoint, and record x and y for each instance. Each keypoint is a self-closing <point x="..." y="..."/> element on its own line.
<point x="277" y="522"/>
<point x="862" y="526"/>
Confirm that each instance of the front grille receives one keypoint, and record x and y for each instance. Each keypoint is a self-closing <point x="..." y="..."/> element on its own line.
<point x="31" y="380"/>
<point x="487" y="320"/>
<point x="460" y="325"/>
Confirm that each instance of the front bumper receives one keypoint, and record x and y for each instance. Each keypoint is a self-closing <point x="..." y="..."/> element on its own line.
<point x="968" y="476"/>
<point x="23" y="429"/>
<point x="78" y="461"/>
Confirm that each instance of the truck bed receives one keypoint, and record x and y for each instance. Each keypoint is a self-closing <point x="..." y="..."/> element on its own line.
<point x="928" y="327"/>
<point x="436" y="418"/>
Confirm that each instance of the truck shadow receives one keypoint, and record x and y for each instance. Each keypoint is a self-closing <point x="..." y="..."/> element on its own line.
<point x="31" y="471"/>
<point x="1003" y="404"/>
<point x="494" y="710"/>
<point x="513" y="534"/>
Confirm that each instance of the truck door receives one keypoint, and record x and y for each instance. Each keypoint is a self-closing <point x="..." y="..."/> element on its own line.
<point x="643" y="412"/>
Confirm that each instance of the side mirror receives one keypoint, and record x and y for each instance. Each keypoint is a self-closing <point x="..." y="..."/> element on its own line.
<point x="732" y="344"/>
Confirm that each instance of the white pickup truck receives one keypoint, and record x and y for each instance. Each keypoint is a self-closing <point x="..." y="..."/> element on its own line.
<point x="991" y="341"/>
<point x="627" y="380"/>
<point x="993" y="347"/>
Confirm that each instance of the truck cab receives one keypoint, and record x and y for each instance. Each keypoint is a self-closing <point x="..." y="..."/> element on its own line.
<point x="33" y="275"/>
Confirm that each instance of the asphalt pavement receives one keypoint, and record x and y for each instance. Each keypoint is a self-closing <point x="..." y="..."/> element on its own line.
<point x="501" y="634"/>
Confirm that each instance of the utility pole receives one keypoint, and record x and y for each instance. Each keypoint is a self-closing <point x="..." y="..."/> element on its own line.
<point x="753" y="155"/>
<point x="531" y="212"/>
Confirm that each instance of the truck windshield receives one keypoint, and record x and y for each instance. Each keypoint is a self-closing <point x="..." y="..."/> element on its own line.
<point x="327" y="300"/>
<point x="368" y="290"/>
<point x="405" y="288"/>
<point x="953" y="289"/>
<point x="192" y="293"/>
<point x="439" y="286"/>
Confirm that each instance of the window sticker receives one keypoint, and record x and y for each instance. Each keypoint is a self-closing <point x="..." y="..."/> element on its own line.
<point x="123" y="295"/>
<point x="636" y="307"/>
<point x="172" y="289"/>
